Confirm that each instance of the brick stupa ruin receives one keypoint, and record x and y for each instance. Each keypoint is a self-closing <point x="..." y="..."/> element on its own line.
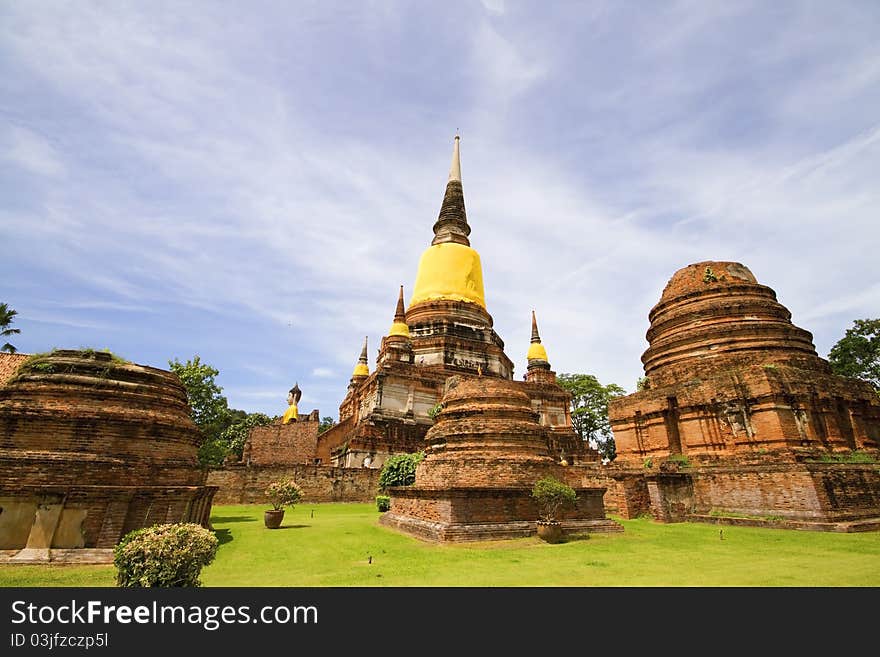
<point x="91" y="448"/>
<point x="483" y="456"/>
<point x="741" y="418"/>
<point x="446" y="330"/>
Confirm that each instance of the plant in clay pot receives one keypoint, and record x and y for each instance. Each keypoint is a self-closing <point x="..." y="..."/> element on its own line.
<point x="552" y="496"/>
<point x="281" y="493"/>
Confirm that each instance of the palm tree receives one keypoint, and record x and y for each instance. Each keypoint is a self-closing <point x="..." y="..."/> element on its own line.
<point x="6" y="316"/>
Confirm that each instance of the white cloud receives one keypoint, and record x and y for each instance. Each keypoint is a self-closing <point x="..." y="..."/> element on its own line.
<point x="31" y="151"/>
<point x="265" y="197"/>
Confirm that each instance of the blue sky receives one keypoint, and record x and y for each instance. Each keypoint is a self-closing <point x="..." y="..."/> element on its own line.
<point x="252" y="181"/>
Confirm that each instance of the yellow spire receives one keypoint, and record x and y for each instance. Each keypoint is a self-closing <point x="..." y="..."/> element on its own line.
<point x="536" y="349"/>
<point x="399" y="327"/>
<point x="362" y="369"/>
<point x="450" y="268"/>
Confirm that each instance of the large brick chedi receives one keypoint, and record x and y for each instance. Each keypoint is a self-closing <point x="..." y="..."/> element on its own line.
<point x="737" y="393"/>
<point x="483" y="456"/>
<point x="92" y="447"/>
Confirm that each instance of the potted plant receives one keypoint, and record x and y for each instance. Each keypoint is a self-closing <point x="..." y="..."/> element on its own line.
<point x="281" y="493"/>
<point x="551" y="495"/>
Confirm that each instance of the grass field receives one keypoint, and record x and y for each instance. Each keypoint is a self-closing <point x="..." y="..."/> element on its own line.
<point x="331" y="545"/>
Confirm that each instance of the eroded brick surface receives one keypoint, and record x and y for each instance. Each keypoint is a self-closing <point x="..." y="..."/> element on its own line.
<point x="739" y="392"/>
<point x="239" y="484"/>
<point x="112" y="443"/>
<point x="483" y="456"/>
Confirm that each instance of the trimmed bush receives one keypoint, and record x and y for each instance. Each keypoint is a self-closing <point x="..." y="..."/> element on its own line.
<point x="170" y="555"/>
<point x="383" y="503"/>
<point x="552" y="495"/>
<point x="399" y="470"/>
<point x="283" y="493"/>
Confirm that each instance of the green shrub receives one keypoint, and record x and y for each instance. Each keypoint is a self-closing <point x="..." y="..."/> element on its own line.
<point x="169" y="555"/>
<point x="399" y="470"/>
<point x="434" y="411"/>
<point x="383" y="503"/>
<point x="283" y="493"/>
<point x="854" y="456"/>
<point x="552" y="495"/>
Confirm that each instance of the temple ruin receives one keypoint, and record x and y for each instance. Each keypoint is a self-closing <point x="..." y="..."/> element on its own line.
<point x="740" y="419"/>
<point x="482" y="459"/>
<point x="91" y="448"/>
<point x="445" y="331"/>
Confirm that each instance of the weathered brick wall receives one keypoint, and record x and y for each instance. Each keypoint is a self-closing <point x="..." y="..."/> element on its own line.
<point x="817" y="491"/>
<point x="626" y="492"/>
<point x="239" y="484"/>
<point x="747" y="408"/>
<point x="282" y="444"/>
<point x="92" y="447"/>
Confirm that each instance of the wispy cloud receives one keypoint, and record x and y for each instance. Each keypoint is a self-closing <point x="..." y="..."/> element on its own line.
<point x="258" y="184"/>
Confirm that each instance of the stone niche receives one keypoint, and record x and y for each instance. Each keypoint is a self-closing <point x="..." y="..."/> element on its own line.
<point x="91" y="448"/>
<point x="741" y="418"/>
<point x="483" y="457"/>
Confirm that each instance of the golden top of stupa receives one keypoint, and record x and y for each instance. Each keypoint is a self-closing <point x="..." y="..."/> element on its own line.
<point x="362" y="369"/>
<point x="536" y="349"/>
<point x="399" y="327"/>
<point x="450" y="268"/>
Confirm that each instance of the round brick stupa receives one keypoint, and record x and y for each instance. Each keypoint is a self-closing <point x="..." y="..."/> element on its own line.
<point x="712" y="314"/>
<point x="92" y="447"/>
<point x="740" y="415"/>
<point x="483" y="456"/>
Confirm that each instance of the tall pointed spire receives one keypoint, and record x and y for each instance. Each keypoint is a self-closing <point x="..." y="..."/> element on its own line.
<point x="536" y="354"/>
<point x="398" y="326"/>
<point x="452" y="225"/>
<point x="400" y="311"/>
<point x="538" y="370"/>
<point x="455" y="167"/>
<point x="362" y="368"/>
<point x="535" y="336"/>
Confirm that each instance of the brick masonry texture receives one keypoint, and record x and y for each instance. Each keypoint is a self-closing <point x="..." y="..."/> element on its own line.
<point x="483" y="456"/>
<point x="91" y="448"/>
<point x="240" y="484"/>
<point x="737" y="394"/>
<point x="279" y="444"/>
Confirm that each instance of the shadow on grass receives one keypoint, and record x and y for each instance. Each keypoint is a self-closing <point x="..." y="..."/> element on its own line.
<point x="571" y="538"/>
<point x="224" y="536"/>
<point x="293" y="526"/>
<point x="223" y="519"/>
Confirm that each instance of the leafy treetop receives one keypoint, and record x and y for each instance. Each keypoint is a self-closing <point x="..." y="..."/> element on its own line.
<point x="857" y="353"/>
<point x="589" y="409"/>
<point x="7" y="315"/>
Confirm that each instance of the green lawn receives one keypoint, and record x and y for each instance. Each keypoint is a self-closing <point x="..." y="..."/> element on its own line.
<point x="330" y="545"/>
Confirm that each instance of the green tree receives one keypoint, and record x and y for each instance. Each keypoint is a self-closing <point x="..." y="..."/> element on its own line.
<point x="326" y="423"/>
<point x="7" y="315"/>
<point x="857" y="353"/>
<point x="233" y="437"/>
<point x="400" y="470"/>
<point x="209" y="408"/>
<point x="589" y="409"/>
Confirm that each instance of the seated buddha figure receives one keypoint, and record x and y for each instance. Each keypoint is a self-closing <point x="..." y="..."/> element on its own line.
<point x="293" y="397"/>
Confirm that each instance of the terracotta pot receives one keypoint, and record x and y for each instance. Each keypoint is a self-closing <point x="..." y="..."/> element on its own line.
<point x="550" y="531"/>
<point x="273" y="518"/>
